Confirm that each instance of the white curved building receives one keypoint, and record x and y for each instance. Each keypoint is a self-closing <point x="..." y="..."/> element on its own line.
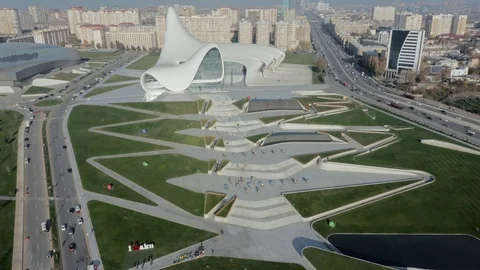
<point x="186" y="61"/>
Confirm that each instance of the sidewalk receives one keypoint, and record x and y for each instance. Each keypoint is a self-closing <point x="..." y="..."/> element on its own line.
<point x="17" y="257"/>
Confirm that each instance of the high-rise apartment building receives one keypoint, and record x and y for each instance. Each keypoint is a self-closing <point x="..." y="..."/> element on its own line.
<point x="26" y="20"/>
<point x="289" y="15"/>
<point x="383" y="37"/>
<point x="323" y="6"/>
<point x="262" y="35"/>
<point x="39" y="14"/>
<point x="459" y="24"/>
<point x="407" y="21"/>
<point x="261" y="14"/>
<point x="53" y="36"/>
<point x="404" y="51"/>
<point x="231" y="14"/>
<point x="383" y="13"/>
<point x="302" y="30"/>
<point x="438" y="25"/>
<point x="74" y="16"/>
<point x="184" y="10"/>
<point x="91" y="34"/>
<point x="107" y="17"/>
<point x="208" y="28"/>
<point x="245" y="32"/>
<point x="10" y="22"/>
<point x="160" y="25"/>
<point x="285" y="38"/>
<point x="132" y="36"/>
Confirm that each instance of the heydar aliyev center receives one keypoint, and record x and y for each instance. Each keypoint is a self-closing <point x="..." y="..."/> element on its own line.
<point x="186" y="62"/>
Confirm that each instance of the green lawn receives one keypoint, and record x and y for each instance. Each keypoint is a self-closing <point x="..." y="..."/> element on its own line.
<point x="7" y="219"/>
<point x="239" y="103"/>
<point x="233" y="264"/>
<point x="367" y="138"/>
<point x="212" y="199"/>
<point x="95" y="64"/>
<point x="120" y="78"/>
<point x="255" y="138"/>
<point x="171" y="107"/>
<point x="66" y="76"/>
<point x="37" y="90"/>
<point x="271" y="119"/>
<point x="100" y="56"/>
<point x="315" y="202"/>
<point x="225" y="209"/>
<point x="145" y="62"/>
<point x="304" y="159"/>
<point x="321" y="260"/>
<point x="163" y="130"/>
<point x="9" y="124"/>
<point x="48" y="103"/>
<point x="87" y="144"/>
<point x="450" y="205"/>
<point x="101" y="90"/>
<point x="313" y="99"/>
<point x="303" y="58"/>
<point x="220" y="143"/>
<point x="155" y="176"/>
<point x="116" y="228"/>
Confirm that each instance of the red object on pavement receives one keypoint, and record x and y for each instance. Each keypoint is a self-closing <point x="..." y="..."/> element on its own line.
<point x="28" y="237"/>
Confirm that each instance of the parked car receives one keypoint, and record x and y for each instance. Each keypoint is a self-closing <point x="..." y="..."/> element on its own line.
<point x="72" y="246"/>
<point x="64" y="227"/>
<point x="80" y="220"/>
<point x="71" y="231"/>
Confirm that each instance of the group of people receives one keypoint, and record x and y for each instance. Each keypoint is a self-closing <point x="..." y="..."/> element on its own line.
<point x="190" y="255"/>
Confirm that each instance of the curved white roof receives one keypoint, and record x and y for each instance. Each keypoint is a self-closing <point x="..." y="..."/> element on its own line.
<point x="182" y="55"/>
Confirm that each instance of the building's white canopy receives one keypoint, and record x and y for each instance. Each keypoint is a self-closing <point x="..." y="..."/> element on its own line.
<point x="182" y="55"/>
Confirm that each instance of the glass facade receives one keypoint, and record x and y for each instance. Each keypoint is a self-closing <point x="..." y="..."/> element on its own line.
<point x="396" y="42"/>
<point x="234" y="73"/>
<point x="211" y="67"/>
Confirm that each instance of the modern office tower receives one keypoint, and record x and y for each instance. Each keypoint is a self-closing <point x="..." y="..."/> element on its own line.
<point x="262" y="35"/>
<point x="160" y="25"/>
<point x="10" y="22"/>
<point x="289" y="15"/>
<point x="53" y="36"/>
<point x="208" y="28"/>
<point x="407" y="21"/>
<point x="438" y="25"/>
<point x="26" y="20"/>
<point x="132" y="36"/>
<point x="74" y="15"/>
<point x="231" y="14"/>
<point x="383" y="13"/>
<point x="459" y="24"/>
<point x="39" y="14"/>
<point x="383" y="37"/>
<point x="285" y="6"/>
<point x="245" y="32"/>
<point x="261" y="14"/>
<point x="404" y="51"/>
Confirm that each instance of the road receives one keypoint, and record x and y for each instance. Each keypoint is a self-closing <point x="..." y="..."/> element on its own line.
<point x="343" y="67"/>
<point x="36" y="205"/>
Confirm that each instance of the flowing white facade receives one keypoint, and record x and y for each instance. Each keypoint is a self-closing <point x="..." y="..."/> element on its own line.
<point x="186" y="61"/>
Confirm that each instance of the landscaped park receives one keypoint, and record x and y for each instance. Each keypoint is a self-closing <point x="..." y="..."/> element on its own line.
<point x="346" y="168"/>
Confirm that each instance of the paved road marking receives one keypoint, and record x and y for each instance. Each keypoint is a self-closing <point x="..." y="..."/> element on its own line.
<point x="37" y="248"/>
<point x="35" y="206"/>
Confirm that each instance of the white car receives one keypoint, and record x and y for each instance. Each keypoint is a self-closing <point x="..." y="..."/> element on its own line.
<point x="64" y="227"/>
<point x="80" y="220"/>
<point x="77" y="208"/>
<point x="27" y="160"/>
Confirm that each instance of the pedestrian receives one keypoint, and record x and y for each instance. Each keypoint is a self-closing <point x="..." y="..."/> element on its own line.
<point x="201" y="242"/>
<point x="212" y="251"/>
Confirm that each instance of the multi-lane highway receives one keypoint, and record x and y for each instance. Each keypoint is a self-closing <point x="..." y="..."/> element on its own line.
<point x="452" y="121"/>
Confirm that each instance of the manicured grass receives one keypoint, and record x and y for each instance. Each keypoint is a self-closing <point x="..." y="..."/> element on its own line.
<point x="271" y="119"/>
<point x="9" y="124"/>
<point x="239" y="103"/>
<point x="304" y="159"/>
<point x="255" y="138"/>
<point x="325" y="108"/>
<point x="367" y="138"/>
<point x="315" y="202"/>
<point x="48" y="103"/>
<point x="101" y="90"/>
<point x="233" y="264"/>
<point x="145" y="62"/>
<point x="468" y="104"/>
<point x="209" y="140"/>
<point x="450" y="205"/>
<point x="209" y="105"/>
<point x="302" y="58"/>
<point x="37" y="90"/>
<point x="66" y="76"/>
<point x="116" y="228"/>
<point x="87" y="144"/>
<point x="305" y="101"/>
<point x="163" y="130"/>
<point x="120" y="78"/>
<point x="95" y="64"/>
<point x="321" y="259"/>
<point x="171" y="107"/>
<point x="220" y="143"/>
<point x="100" y="56"/>
<point x="212" y="199"/>
<point x="225" y="209"/>
<point x="7" y="219"/>
<point x="224" y="163"/>
<point x="155" y="176"/>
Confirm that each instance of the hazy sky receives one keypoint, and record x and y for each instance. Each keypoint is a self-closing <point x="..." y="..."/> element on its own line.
<point x="198" y="3"/>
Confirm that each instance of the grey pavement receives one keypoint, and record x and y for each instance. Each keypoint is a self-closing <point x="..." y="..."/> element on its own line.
<point x="18" y="237"/>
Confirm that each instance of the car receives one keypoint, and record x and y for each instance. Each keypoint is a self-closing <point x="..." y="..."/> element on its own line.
<point x="50" y="254"/>
<point x="71" y="210"/>
<point x="64" y="227"/>
<point x="26" y="139"/>
<point x="77" y="208"/>
<point x="27" y="146"/>
<point x="64" y="147"/>
<point x="69" y="170"/>
<point x="40" y="98"/>
<point x="27" y="160"/>
<point x="80" y="220"/>
<point x="71" y="231"/>
<point x="72" y="246"/>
